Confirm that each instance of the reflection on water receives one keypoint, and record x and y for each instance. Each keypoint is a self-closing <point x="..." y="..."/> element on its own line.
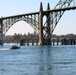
<point x="37" y="60"/>
<point x="45" y="65"/>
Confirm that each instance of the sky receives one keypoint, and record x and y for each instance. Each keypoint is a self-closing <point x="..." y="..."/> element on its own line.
<point x="66" y="25"/>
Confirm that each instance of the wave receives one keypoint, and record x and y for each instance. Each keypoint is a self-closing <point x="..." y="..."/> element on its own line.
<point x="4" y="48"/>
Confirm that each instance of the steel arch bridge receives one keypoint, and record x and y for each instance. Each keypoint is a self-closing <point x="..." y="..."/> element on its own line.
<point x="35" y="19"/>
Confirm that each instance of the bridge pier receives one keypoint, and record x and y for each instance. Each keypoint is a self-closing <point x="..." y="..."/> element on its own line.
<point x="48" y="26"/>
<point x="41" y="25"/>
<point x="44" y="37"/>
<point x="1" y="32"/>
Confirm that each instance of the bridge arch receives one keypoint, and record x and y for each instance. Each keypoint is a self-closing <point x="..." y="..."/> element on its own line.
<point x="8" y="23"/>
<point x="20" y="27"/>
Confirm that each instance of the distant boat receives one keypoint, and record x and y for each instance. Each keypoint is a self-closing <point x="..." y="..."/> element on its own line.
<point x="14" y="47"/>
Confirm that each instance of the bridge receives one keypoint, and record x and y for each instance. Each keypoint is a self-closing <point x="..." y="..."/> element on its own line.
<point x="35" y="19"/>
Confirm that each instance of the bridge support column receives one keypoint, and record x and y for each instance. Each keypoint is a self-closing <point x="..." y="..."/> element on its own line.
<point x="41" y="26"/>
<point x="43" y="39"/>
<point x="1" y="32"/>
<point x="48" y="27"/>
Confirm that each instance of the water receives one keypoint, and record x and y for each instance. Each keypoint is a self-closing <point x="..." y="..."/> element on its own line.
<point x="37" y="60"/>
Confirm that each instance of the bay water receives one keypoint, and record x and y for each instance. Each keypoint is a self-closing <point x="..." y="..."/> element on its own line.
<point x="38" y="60"/>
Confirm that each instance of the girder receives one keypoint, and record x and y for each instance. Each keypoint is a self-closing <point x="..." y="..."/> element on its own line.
<point x="56" y="14"/>
<point x="30" y="19"/>
<point x="63" y="4"/>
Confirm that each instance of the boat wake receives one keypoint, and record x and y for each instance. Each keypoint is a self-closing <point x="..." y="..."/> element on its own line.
<point x="4" y="49"/>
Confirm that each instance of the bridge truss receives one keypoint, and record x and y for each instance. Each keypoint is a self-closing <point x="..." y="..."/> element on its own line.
<point x="35" y="19"/>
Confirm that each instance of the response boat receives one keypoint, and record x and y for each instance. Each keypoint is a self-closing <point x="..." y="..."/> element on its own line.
<point x="15" y="47"/>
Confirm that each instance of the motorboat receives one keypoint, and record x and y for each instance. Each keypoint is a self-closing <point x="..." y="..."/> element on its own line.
<point x="15" y="47"/>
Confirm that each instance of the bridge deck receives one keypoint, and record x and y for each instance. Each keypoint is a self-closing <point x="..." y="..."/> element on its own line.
<point x="62" y="9"/>
<point x="53" y="10"/>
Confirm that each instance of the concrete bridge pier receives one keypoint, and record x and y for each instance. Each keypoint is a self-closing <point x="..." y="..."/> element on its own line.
<point x="43" y="39"/>
<point x="48" y="26"/>
<point x="1" y="32"/>
<point x="41" y="25"/>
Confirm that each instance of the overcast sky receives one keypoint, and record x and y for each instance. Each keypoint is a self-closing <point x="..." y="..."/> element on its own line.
<point x="66" y="25"/>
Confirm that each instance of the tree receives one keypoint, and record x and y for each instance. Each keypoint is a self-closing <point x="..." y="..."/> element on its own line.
<point x="17" y="37"/>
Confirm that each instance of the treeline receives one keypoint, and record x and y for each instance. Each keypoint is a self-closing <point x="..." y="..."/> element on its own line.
<point x="18" y="37"/>
<point x="70" y="36"/>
